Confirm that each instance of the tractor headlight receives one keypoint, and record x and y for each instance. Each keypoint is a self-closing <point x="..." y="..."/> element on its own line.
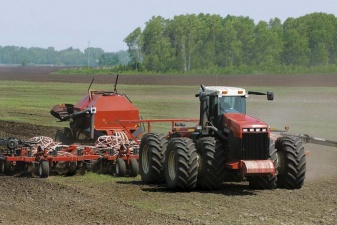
<point x="245" y="130"/>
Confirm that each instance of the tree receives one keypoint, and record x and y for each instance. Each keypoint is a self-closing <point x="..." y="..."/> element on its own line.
<point x="109" y="59"/>
<point x="134" y="42"/>
<point x="230" y="48"/>
<point x="296" y="46"/>
<point x="156" y="45"/>
<point x="267" y="47"/>
<point x="93" y="55"/>
<point x="244" y="27"/>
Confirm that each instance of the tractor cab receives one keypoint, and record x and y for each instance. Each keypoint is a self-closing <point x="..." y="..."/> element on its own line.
<point x="223" y="109"/>
<point x="223" y="100"/>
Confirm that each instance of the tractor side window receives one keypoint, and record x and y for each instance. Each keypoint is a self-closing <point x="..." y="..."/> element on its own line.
<point x="213" y="106"/>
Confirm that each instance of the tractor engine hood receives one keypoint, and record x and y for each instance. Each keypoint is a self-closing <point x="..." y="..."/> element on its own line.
<point x="241" y="123"/>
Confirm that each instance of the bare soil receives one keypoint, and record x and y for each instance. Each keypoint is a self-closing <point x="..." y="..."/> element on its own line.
<point x="72" y="200"/>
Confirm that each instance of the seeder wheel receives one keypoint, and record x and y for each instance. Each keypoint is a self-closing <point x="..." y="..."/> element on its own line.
<point x="2" y="167"/>
<point x="120" y="167"/>
<point x="44" y="169"/>
<point x="5" y="167"/>
<point x="134" y="167"/>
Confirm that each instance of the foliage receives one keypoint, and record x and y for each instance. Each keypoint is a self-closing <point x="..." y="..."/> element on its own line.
<point x="204" y="43"/>
<point x="234" y="44"/>
<point x="38" y="56"/>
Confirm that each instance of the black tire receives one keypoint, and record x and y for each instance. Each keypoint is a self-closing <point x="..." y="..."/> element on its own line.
<point x="65" y="136"/>
<point x="151" y="158"/>
<point x="120" y="168"/>
<point x="2" y="167"/>
<point x="211" y="163"/>
<point x="270" y="181"/>
<point x="134" y="167"/>
<point x="181" y="164"/>
<point x="292" y="162"/>
<point x="44" y="169"/>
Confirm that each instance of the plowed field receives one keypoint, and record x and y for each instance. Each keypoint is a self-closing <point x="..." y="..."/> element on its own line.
<point x="97" y="199"/>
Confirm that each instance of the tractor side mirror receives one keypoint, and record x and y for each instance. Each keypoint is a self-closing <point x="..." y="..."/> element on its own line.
<point x="270" y="95"/>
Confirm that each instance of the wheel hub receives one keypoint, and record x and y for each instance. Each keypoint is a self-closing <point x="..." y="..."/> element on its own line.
<point x="145" y="160"/>
<point x="172" y="165"/>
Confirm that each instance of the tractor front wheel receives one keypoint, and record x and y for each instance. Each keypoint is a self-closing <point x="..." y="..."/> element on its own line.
<point x="292" y="162"/>
<point x="270" y="181"/>
<point x="181" y="164"/>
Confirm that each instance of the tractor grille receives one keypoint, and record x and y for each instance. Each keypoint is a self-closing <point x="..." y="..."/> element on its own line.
<point x="255" y="146"/>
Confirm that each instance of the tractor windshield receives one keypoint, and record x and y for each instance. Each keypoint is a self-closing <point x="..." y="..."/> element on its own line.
<point x="232" y="104"/>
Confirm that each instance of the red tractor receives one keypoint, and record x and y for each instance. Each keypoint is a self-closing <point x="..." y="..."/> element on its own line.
<point x="227" y="145"/>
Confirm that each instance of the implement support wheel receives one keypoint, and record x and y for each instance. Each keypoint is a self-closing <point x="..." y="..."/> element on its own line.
<point x="120" y="167"/>
<point x="134" y="167"/>
<point x="2" y="167"/>
<point x="44" y="169"/>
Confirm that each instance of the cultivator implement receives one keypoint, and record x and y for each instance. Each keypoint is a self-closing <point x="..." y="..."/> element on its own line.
<point x="115" y="154"/>
<point x="44" y="156"/>
<point x="313" y="140"/>
<point x="305" y="138"/>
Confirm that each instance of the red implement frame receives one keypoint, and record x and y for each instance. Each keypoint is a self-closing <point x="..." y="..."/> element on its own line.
<point x="182" y="130"/>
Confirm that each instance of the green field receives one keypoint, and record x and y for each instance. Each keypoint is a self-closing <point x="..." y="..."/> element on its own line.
<point x="310" y="110"/>
<point x="31" y="101"/>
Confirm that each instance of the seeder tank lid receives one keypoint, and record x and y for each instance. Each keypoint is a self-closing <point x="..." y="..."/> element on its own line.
<point x="225" y="91"/>
<point x="106" y="103"/>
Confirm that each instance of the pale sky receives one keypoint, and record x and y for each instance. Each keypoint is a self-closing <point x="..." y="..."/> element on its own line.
<point x="105" y="23"/>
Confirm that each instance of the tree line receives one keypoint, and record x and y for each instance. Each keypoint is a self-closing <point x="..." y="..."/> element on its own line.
<point x="206" y="43"/>
<point x="211" y="43"/>
<point x="39" y="56"/>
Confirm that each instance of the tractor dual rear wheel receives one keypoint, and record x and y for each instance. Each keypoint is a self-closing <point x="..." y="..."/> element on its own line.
<point x="181" y="164"/>
<point x="211" y="163"/>
<point x="151" y="158"/>
<point x="292" y="162"/>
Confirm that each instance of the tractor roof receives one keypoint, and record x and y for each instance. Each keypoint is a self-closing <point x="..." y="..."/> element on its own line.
<point x="225" y="91"/>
